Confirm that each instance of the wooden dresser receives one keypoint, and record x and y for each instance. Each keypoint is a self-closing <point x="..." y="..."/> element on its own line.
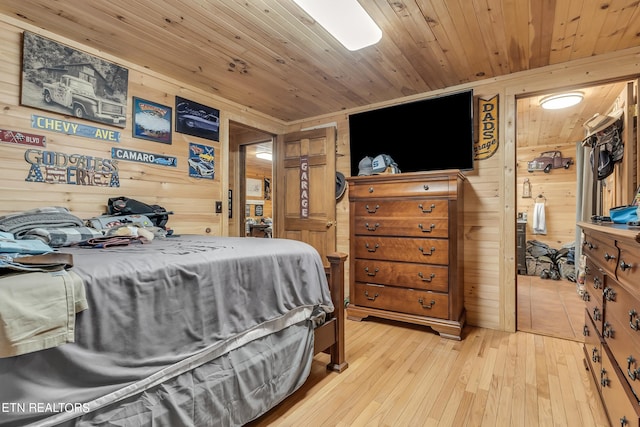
<point x="612" y="318"/>
<point x="406" y="249"/>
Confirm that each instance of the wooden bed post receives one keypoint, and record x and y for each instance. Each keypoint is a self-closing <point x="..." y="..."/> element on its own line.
<point x="336" y="284"/>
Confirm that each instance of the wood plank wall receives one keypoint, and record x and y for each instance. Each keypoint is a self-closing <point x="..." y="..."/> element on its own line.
<point x="490" y="191"/>
<point x="556" y="189"/>
<point x="191" y="199"/>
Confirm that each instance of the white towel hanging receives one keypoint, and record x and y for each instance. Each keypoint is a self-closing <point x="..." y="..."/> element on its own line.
<point x="539" y="220"/>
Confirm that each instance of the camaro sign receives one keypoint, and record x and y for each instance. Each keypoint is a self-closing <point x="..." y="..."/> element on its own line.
<point x="142" y="157"/>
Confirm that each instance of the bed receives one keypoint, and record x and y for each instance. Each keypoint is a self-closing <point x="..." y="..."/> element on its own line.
<point x="183" y="331"/>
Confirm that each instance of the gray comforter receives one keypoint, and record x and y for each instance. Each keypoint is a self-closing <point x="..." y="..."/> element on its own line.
<point x="191" y="330"/>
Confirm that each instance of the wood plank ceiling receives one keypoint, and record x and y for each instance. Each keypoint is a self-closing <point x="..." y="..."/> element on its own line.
<point x="269" y="55"/>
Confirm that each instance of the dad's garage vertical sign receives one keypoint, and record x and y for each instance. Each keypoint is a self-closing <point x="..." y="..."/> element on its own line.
<point x="304" y="187"/>
<point x="487" y="143"/>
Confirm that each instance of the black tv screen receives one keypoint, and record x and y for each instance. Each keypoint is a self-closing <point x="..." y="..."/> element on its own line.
<point x="427" y="135"/>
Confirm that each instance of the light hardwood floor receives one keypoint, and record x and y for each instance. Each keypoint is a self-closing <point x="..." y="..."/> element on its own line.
<point x="550" y="307"/>
<point x="402" y="375"/>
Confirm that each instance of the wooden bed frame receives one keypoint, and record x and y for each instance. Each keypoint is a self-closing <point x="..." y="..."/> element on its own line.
<point x="329" y="338"/>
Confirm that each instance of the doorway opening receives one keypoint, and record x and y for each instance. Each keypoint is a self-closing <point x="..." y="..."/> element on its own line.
<point x="548" y="200"/>
<point x="250" y="181"/>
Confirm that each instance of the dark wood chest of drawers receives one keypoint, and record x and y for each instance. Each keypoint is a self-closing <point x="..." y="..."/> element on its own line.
<point x="406" y="249"/>
<point x="612" y="318"/>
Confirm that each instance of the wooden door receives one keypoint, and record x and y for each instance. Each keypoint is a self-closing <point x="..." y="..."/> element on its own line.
<point x="305" y="187"/>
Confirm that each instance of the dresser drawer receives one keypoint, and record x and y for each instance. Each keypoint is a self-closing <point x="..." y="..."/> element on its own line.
<point x="628" y="271"/>
<point x="594" y="276"/>
<point x="436" y="188"/>
<point x="429" y="251"/>
<point x="593" y="348"/>
<point x="403" y="274"/>
<point x="624" y="307"/>
<point x="621" y="331"/>
<point x="417" y="208"/>
<point x="625" y="351"/>
<point x="593" y="296"/>
<point x="412" y="227"/>
<point x="422" y="303"/>
<point x="622" y="406"/>
<point x="602" y="253"/>
<point x="593" y="300"/>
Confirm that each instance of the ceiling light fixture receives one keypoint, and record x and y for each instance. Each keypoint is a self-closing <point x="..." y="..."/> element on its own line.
<point x="346" y="20"/>
<point x="561" y="100"/>
<point x="264" y="156"/>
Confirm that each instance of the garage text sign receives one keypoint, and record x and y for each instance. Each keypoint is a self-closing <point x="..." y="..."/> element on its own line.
<point x="487" y="143"/>
<point x="304" y="187"/>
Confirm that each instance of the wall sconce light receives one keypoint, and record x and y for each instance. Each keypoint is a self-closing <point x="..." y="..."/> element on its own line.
<point x="561" y="100"/>
<point x="526" y="189"/>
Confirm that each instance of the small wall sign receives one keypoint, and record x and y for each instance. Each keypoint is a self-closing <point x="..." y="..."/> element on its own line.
<point x="54" y="167"/>
<point x="151" y="121"/>
<point x="142" y="157"/>
<point x="487" y="144"/>
<point x="201" y="161"/>
<point x="21" y="138"/>
<point x="77" y="129"/>
<point x="304" y="187"/>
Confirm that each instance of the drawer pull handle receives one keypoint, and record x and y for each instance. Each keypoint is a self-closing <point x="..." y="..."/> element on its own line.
<point x="426" y="230"/>
<point x="428" y="210"/>
<point x="594" y="355"/>
<point x="586" y="297"/>
<point x="372" y="211"/>
<point x="624" y="266"/>
<point x="421" y="249"/>
<point x="634" y="374"/>
<point x="608" y="257"/>
<point x="374" y="228"/>
<point x="596" y="283"/>
<point x="428" y="307"/>
<point x="623" y="421"/>
<point x="426" y="187"/>
<point x="375" y="248"/>
<point x="370" y="189"/>
<point x="604" y="381"/>
<point x="633" y="314"/>
<point x="609" y="294"/>
<point x="589" y="245"/>
<point x="426" y="279"/>
<point x="596" y="314"/>
<point x="373" y="298"/>
<point x="607" y="330"/>
<point x="585" y="331"/>
<point x="366" y="269"/>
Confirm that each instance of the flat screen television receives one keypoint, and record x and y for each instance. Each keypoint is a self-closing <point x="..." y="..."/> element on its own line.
<point x="427" y="135"/>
